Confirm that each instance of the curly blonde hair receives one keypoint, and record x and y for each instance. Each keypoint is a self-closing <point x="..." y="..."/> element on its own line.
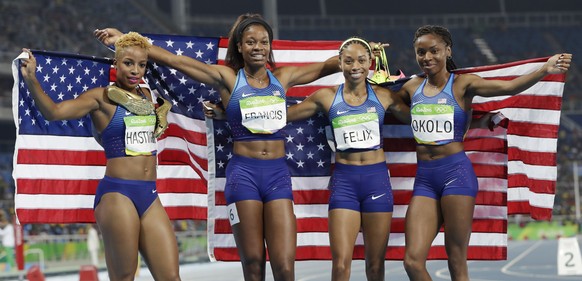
<point x="131" y="39"/>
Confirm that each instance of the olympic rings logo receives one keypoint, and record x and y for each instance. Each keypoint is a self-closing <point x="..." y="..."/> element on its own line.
<point x="441" y="109"/>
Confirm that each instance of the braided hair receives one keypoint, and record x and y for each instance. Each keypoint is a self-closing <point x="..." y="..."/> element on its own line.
<point x="441" y="32"/>
<point x="357" y="40"/>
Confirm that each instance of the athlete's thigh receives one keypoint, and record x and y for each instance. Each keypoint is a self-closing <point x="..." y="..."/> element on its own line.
<point x="280" y="229"/>
<point x="119" y="225"/>
<point x="376" y="230"/>
<point x="248" y="231"/>
<point x="458" y="218"/>
<point x="158" y="242"/>
<point x="344" y="226"/>
<point x="422" y="223"/>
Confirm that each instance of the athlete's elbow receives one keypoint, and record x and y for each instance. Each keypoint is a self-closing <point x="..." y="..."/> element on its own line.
<point x="55" y="114"/>
<point x="50" y="116"/>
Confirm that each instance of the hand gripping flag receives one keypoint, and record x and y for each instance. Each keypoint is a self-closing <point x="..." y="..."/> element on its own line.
<point x="57" y="165"/>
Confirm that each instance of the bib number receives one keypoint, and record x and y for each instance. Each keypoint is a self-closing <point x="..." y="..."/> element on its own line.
<point x="232" y="214"/>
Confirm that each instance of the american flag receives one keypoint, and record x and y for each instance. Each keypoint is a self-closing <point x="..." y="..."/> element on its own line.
<point x="58" y="164"/>
<point x="512" y="177"/>
<point x="57" y="171"/>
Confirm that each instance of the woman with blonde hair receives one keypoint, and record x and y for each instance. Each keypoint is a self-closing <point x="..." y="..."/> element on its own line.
<point x="258" y="183"/>
<point x="127" y="208"/>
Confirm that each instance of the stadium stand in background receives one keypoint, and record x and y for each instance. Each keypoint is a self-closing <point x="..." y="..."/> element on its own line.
<point x="488" y="33"/>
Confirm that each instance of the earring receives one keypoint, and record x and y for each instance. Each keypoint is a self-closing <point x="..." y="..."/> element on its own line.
<point x="449" y="58"/>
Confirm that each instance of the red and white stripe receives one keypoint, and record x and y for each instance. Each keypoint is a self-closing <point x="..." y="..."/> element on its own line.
<point x="56" y="177"/>
<point x="516" y="168"/>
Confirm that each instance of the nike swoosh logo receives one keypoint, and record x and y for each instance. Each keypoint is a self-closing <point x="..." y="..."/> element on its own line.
<point x="154" y="190"/>
<point x="246" y="95"/>
<point x="374" y="197"/>
<point x="449" y="182"/>
<point x="416" y="102"/>
<point x="127" y="113"/>
<point x="341" y="112"/>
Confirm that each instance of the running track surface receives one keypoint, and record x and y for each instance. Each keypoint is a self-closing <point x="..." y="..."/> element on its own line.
<point x="527" y="260"/>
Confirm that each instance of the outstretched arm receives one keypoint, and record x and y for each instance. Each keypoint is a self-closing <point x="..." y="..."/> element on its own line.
<point x="210" y="74"/>
<point x="308" y="107"/>
<point x="478" y="86"/>
<point x="299" y="75"/>
<point x="69" y="109"/>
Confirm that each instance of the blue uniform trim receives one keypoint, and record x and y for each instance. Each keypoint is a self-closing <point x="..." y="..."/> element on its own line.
<point x="461" y="118"/>
<point x="233" y="114"/>
<point x="113" y="136"/>
<point x="340" y="105"/>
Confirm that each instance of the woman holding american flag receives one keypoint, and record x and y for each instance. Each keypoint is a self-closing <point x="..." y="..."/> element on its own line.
<point x="127" y="207"/>
<point x="361" y="193"/>
<point x="445" y="185"/>
<point x="258" y="184"/>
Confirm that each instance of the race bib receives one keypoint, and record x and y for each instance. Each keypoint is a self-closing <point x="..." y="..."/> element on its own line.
<point x="263" y="114"/>
<point x="360" y="131"/>
<point x="139" y="135"/>
<point x="432" y="123"/>
<point x="232" y="214"/>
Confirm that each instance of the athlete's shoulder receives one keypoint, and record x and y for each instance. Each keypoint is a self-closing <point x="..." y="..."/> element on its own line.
<point x="326" y="92"/>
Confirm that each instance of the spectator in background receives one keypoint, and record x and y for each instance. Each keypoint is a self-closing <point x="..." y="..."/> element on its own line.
<point x="7" y="235"/>
<point x="93" y="244"/>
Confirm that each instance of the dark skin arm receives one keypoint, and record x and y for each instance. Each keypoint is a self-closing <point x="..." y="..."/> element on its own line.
<point x="66" y="110"/>
<point x="320" y="100"/>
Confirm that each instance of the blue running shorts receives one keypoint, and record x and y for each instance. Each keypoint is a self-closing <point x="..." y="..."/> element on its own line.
<point x="141" y="193"/>
<point x="364" y="188"/>
<point x="256" y="179"/>
<point x="452" y="175"/>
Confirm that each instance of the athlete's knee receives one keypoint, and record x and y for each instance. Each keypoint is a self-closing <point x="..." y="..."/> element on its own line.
<point x="284" y="272"/>
<point x="253" y="265"/>
<point x="457" y="257"/>
<point x="121" y="271"/>
<point x="414" y="264"/>
<point x="170" y="276"/>
<point x="173" y="278"/>
<point x="375" y="270"/>
<point x="342" y="272"/>
<point x="342" y="268"/>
